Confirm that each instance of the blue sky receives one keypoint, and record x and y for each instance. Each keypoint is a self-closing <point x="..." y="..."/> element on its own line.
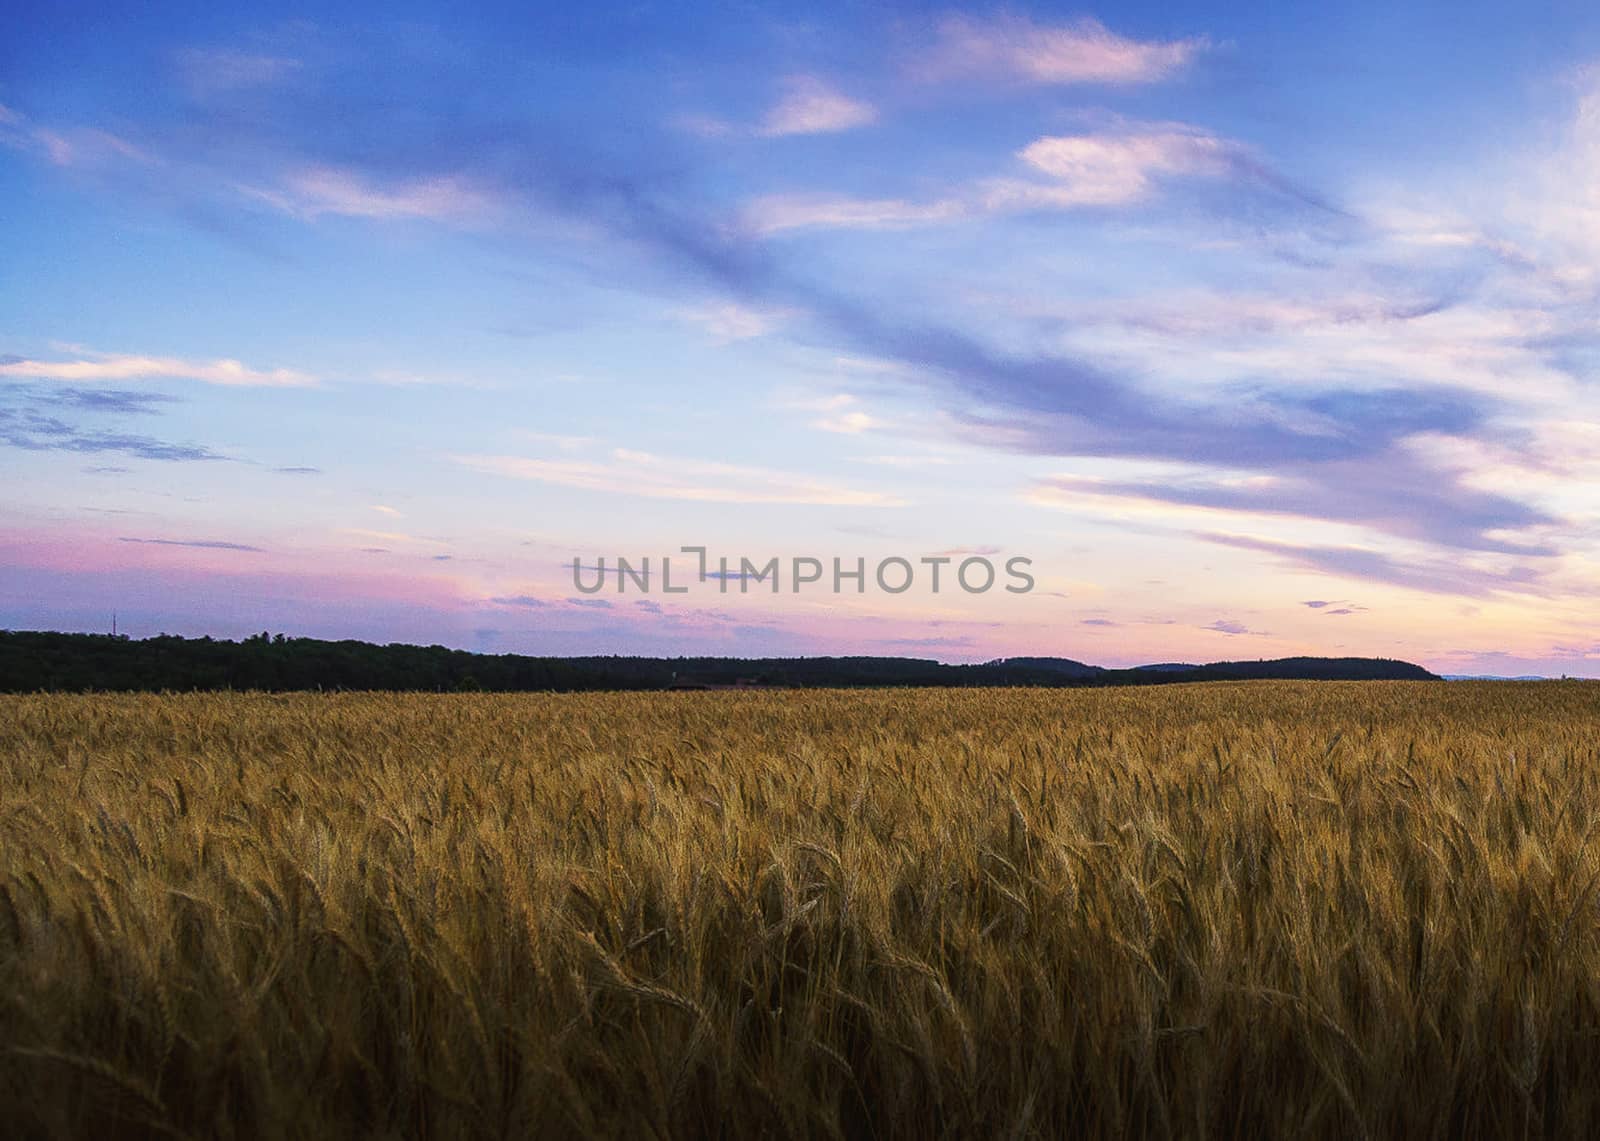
<point x="1260" y="329"/>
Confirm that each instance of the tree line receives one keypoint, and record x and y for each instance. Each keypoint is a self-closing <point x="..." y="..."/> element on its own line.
<point x="32" y="661"/>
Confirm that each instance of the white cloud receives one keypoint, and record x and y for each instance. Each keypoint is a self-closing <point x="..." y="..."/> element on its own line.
<point x="81" y="147"/>
<point x="846" y="424"/>
<point x="315" y="191"/>
<point x="1015" y="48"/>
<point x="657" y="477"/>
<point x="1557" y="196"/>
<point x="1098" y="496"/>
<point x="729" y="321"/>
<point x="811" y="107"/>
<point x="1361" y="338"/>
<point x="841" y="414"/>
<point x="393" y="536"/>
<point x="779" y="212"/>
<point x="124" y="366"/>
<point x="836" y="402"/>
<point x="1113" y="167"/>
<point x="307" y="192"/>
<point x="871" y="366"/>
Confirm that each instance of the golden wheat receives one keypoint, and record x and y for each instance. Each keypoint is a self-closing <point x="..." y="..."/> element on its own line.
<point x="1261" y="909"/>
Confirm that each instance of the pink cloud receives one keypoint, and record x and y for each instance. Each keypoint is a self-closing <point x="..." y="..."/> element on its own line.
<point x="315" y="191"/>
<point x="132" y="366"/>
<point x="1086" y="51"/>
<point x="811" y="107"/>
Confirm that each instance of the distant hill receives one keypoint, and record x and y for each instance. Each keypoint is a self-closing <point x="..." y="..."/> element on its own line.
<point x="41" y="660"/>
<point x="1066" y="667"/>
<point x="1494" y="677"/>
<point x="1295" y="669"/>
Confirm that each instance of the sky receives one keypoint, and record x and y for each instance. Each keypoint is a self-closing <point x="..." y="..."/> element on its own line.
<point x="1257" y="329"/>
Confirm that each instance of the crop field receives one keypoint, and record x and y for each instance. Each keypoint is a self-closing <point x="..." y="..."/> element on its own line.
<point x="1229" y="910"/>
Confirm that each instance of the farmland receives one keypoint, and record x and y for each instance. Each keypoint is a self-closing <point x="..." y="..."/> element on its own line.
<point x="1252" y="909"/>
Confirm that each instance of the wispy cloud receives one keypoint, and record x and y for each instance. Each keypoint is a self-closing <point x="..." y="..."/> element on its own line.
<point x="984" y="551"/>
<point x="394" y="536"/>
<point x="729" y="321"/>
<point x="810" y="106"/>
<point x="111" y="401"/>
<point x="1332" y="609"/>
<point x="1114" y="167"/>
<point x="841" y="413"/>
<point x="1119" y="164"/>
<point x="1433" y="576"/>
<point x="775" y="213"/>
<point x="1432" y="335"/>
<point x="526" y="601"/>
<point x="1389" y="492"/>
<point x="935" y="642"/>
<point x="140" y="447"/>
<point x="60" y="438"/>
<point x="657" y="477"/>
<point x="1228" y="626"/>
<point x="203" y="544"/>
<point x="31" y="419"/>
<point x="851" y="423"/>
<point x="1335" y="445"/>
<point x="316" y="191"/>
<point x="215" y="71"/>
<point x="1014" y="48"/>
<point x="1057" y="402"/>
<point x="130" y="366"/>
<point x="75" y="147"/>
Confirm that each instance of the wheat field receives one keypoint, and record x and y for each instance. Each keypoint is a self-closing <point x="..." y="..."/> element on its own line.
<point x="1230" y="910"/>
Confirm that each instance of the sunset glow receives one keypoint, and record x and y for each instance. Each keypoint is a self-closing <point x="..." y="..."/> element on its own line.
<point x="1258" y="338"/>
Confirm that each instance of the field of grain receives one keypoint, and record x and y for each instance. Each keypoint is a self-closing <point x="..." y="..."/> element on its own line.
<point x="1241" y="910"/>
